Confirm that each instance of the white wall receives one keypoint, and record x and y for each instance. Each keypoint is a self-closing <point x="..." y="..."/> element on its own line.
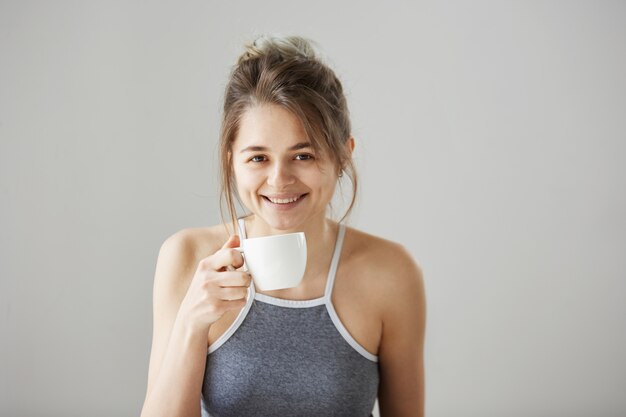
<point x="490" y="142"/>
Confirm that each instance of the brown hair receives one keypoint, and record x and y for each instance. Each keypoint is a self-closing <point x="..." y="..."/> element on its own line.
<point x="286" y="71"/>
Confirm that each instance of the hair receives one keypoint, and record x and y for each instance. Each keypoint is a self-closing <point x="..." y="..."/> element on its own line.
<point x="286" y="71"/>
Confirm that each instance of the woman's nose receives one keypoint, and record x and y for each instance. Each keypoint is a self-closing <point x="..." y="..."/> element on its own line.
<point x="280" y="176"/>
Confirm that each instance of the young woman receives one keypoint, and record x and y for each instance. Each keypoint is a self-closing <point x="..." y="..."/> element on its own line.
<point x="350" y="332"/>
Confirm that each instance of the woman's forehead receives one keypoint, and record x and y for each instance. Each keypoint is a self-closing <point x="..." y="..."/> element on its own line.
<point x="271" y="127"/>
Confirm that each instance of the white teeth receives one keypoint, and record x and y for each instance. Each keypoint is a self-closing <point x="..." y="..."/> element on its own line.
<point x="282" y="201"/>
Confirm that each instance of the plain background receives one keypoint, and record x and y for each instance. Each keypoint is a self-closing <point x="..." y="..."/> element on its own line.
<point x="490" y="142"/>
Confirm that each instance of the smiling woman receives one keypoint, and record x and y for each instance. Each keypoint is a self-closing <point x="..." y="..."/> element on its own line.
<point x="276" y="179"/>
<point x="350" y="332"/>
<point x="285" y="75"/>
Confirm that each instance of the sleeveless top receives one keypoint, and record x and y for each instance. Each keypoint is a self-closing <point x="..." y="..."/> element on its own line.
<point x="289" y="358"/>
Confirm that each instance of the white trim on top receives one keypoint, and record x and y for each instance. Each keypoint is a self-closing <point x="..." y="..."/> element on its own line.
<point x="330" y="280"/>
<point x="283" y="302"/>
<point x="346" y="334"/>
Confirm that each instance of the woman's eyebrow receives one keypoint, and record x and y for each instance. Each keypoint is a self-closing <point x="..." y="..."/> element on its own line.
<point x="301" y="145"/>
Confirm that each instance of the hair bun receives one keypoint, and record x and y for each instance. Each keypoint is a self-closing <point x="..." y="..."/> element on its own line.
<point x="288" y="47"/>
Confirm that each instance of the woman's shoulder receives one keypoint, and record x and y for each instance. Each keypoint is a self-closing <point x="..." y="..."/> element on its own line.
<point x="196" y="242"/>
<point x="179" y="256"/>
<point x="387" y="266"/>
<point x="181" y="251"/>
<point x="376" y="251"/>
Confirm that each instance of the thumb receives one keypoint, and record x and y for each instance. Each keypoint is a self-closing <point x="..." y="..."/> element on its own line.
<point x="232" y="242"/>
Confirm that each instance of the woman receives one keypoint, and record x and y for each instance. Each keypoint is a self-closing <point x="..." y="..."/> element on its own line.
<point x="350" y="332"/>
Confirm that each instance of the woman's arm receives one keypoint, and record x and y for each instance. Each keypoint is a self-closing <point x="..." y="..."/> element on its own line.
<point x="189" y="296"/>
<point x="401" y="358"/>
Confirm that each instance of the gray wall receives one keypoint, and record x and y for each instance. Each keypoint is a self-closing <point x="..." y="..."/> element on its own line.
<point x="490" y="143"/>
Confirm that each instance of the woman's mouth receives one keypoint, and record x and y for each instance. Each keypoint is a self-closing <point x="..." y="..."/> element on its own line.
<point x="284" y="203"/>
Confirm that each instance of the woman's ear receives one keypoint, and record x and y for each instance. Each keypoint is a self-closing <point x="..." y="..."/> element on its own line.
<point x="350" y="143"/>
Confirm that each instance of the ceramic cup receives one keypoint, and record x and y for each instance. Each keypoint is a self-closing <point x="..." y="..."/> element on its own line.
<point x="275" y="262"/>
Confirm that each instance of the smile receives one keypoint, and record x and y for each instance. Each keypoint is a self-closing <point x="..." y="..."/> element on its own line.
<point x="284" y="200"/>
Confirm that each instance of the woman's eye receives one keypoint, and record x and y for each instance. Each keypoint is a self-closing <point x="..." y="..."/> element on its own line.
<point x="257" y="158"/>
<point x="304" y="157"/>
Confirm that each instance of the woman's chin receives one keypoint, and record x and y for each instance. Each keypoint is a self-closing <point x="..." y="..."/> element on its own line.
<point x="282" y="223"/>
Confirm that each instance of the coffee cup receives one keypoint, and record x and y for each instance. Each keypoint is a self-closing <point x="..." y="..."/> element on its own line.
<point x="275" y="262"/>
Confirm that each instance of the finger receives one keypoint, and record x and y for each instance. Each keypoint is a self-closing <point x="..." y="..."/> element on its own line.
<point x="233" y="293"/>
<point x="222" y="259"/>
<point x="232" y="242"/>
<point x="232" y="258"/>
<point x="234" y="279"/>
<point x="237" y="261"/>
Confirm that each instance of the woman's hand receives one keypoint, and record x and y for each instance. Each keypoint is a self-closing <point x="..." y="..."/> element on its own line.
<point x="215" y="288"/>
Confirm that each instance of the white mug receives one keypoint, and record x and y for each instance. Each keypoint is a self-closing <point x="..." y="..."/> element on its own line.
<point x="275" y="262"/>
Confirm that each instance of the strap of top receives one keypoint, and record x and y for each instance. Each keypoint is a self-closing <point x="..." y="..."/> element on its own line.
<point x="242" y="236"/>
<point x="242" y="229"/>
<point x="335" y="261"/>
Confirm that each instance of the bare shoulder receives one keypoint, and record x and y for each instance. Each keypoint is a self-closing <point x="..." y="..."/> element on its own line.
<point x="381" y="256"/>
<point x="387" y="268"/>
<point x="196" y="242"/>
<point x="181" y="252"/>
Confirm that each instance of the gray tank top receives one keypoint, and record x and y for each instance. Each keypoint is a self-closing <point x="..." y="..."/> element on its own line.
<point x="289" y="358"/>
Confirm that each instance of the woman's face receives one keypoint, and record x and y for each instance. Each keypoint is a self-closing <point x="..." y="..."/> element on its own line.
<point x="280" y="178"/>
